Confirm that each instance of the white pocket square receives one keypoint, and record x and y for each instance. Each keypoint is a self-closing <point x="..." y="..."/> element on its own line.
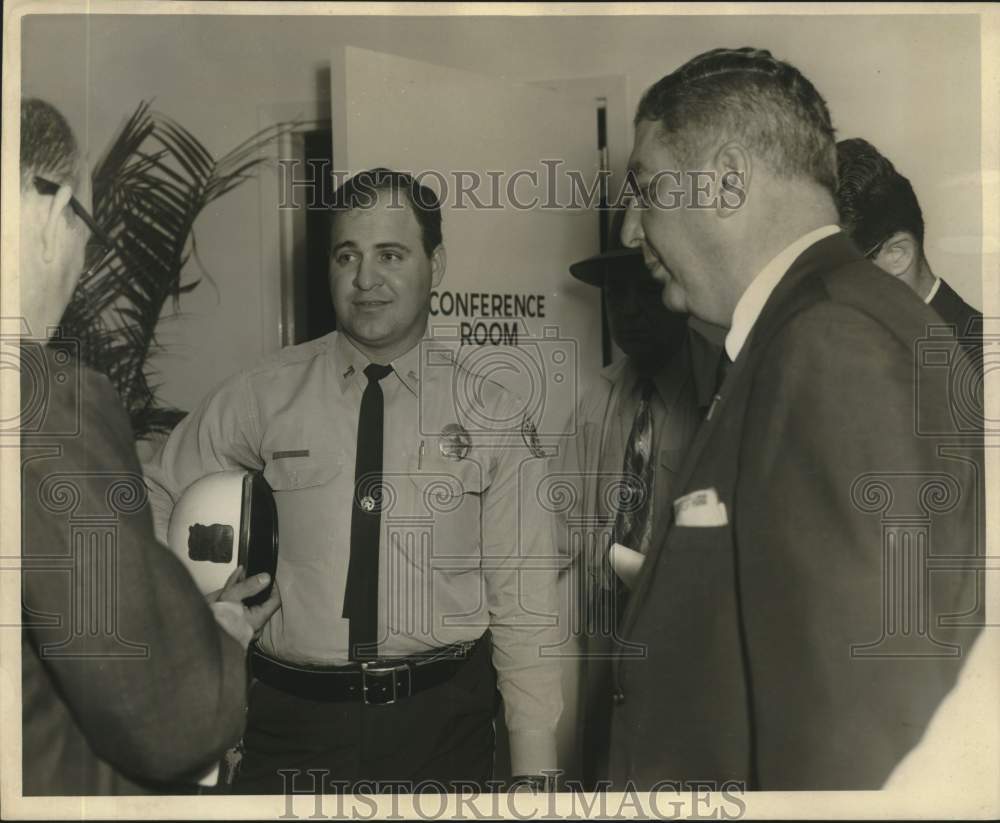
<point x="700" y="509"/>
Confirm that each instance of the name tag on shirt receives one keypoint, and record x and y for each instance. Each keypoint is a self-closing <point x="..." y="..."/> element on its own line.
<point x="700" y="509"/>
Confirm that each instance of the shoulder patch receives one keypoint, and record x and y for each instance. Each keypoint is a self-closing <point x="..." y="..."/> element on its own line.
<point x="529" y="434"/>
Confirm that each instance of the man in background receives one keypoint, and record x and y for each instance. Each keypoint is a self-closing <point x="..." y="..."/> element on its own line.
<point x="633" y="429"/>
<point x="880" y="211"/>
<point x="128" y="683"/>
<point x="782" y="649"/>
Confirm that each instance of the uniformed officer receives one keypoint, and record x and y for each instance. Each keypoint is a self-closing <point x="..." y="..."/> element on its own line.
<point x="412" y="563"/>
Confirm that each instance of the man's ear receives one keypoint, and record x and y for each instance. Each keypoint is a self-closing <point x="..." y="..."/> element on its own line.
<point x="734" y="168"/>
<point x="56" y="225"/>
<point x="438" y="262"/>
<point x="898" y="254"/>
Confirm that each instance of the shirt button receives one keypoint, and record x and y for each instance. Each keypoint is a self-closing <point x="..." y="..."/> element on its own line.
<point x="618" y="697"/>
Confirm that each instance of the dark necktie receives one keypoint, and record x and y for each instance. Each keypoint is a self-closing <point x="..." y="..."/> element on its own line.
<point x="720" y="377"/>
<point x="361" y="592"/>
<point x="722" y="370"/>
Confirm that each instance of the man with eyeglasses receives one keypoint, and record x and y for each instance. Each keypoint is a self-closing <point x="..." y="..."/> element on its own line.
<point x="880" y="211"/>
<point x="100" y="246"/>
<point x="129" y="685"/>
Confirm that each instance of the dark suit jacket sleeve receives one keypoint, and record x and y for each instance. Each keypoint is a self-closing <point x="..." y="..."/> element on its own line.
<point x="833" y="401"/>
<point x="178" y="706"/>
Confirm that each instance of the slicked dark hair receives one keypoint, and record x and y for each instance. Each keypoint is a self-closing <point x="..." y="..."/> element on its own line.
<point x="875" y="201"/>
<point x="747" y="95"/>
<point x="361" y="191"/>
<point x="48" y="147"/>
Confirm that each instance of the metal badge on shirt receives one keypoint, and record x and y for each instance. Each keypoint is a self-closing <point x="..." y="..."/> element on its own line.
<point x="455" y="442"/>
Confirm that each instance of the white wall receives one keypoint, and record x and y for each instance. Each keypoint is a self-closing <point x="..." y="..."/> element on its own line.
<point x="910" y="84"/>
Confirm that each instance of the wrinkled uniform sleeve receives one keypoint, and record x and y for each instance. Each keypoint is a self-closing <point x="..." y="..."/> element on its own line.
<point x="570" y="466"/>
<point x="222" y="433"/>
<point x="521" y="572"/>
<point x="160" y="692"/>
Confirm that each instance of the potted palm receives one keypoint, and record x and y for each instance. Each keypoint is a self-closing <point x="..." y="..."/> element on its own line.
<point x="148" y="189"/>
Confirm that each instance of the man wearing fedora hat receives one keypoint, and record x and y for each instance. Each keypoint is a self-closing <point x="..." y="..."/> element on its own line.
<point x="633" y="428"/>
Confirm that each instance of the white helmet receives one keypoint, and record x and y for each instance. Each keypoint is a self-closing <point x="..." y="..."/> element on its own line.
<point x="222" y="521"/>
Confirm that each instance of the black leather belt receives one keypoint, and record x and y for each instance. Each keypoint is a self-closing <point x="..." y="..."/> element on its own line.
<point x="378" y="682"/>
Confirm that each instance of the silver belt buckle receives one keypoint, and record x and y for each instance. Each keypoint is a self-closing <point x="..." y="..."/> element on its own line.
<point x="379" y="671"/>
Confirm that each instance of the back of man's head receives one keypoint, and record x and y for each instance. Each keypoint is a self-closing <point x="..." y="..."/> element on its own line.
<point x="52" y="237"/>
<point x="875" y="201"/>
<point x="48" y="147"/>
<point x="746" y="95"/>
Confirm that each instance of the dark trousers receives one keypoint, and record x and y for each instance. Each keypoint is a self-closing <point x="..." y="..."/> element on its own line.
<point x="440" y="735"/>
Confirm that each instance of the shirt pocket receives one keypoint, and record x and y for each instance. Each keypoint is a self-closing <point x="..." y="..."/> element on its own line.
<point x="445" y="505"/>
<point x="300" y="470"/>
<point x="312" y="494"/>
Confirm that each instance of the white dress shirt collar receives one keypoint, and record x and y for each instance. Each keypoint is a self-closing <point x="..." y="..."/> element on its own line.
<point x="933" y="292"/>
<point x="752" y="301"/>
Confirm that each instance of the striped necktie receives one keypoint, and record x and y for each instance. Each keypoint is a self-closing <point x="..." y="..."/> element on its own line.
<point x="633" y="521"/>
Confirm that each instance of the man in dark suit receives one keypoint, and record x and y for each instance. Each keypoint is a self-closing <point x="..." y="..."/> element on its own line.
<point x="793" y="633"/>
<point x="128" y="683"/>
<point x="880" y="211"/>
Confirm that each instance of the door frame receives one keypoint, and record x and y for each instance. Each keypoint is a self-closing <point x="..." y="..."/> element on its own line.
<point x="282" y="240"/>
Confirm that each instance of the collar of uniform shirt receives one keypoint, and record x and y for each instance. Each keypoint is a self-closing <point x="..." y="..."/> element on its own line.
<point x="751" y="303"/>
<point x="351" y="364"/>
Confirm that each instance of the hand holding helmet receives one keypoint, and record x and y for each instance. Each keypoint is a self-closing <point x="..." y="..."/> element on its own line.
<point x="224" y="525"/>
<point x="239" y="589"/>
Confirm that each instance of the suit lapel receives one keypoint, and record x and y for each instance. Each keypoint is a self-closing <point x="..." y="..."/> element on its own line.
<point x="663" y="524"/>
<point x="791" y="293"/>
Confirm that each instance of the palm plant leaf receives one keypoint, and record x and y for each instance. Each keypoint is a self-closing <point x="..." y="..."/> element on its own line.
<point x="149" y="188"/>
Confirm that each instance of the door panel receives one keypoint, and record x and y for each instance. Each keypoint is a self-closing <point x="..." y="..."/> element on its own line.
<point x="443" y="122"/>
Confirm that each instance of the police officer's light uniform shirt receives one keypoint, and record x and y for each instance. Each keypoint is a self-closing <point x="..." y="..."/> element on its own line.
<point x="458" y="528"/>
